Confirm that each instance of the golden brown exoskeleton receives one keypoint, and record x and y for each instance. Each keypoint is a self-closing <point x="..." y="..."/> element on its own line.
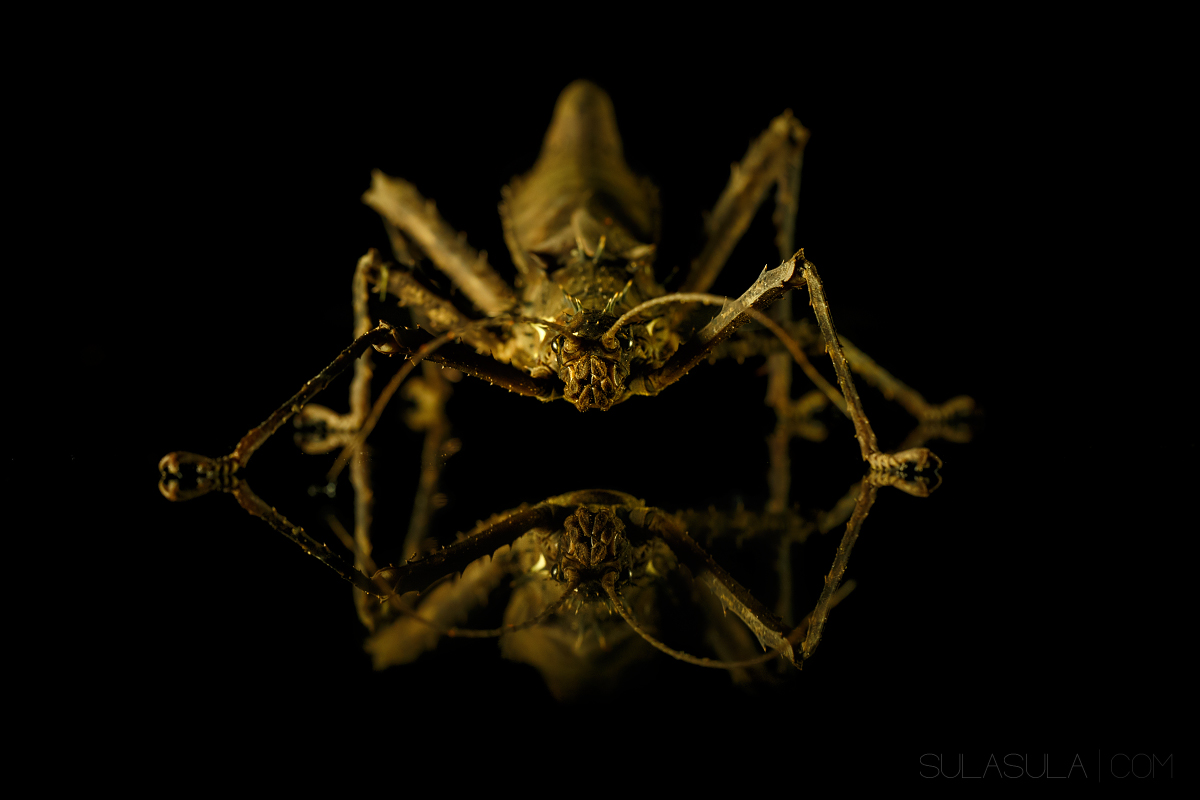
<point x="588" y="321"/>
<point x="582" y="231"/>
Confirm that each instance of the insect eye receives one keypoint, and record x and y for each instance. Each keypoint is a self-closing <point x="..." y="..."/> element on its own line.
<point x="554" y="345"/>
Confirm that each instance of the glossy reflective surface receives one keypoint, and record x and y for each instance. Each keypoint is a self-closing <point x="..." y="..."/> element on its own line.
<point x="968" y="616"/>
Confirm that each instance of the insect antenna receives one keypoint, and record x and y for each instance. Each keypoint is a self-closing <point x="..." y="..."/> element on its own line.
<point x="381" y="403"/>
<point x="485" y="633"/>
<point x="610" y="338"/>
<point x="792" y="639"/>
<point x="627" y="615"/>
<point x="547" y="612"/>
<point x="423" y="351"/>
<point x="790" y="343"/>
<point x="798" y="356"/>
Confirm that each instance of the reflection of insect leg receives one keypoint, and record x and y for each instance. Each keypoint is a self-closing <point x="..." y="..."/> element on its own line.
<point x="755" y="532"/>
<point x="774" y="158"/>
<point x="624" y="510"/>
<point x="429" y="394"/>
<point x="324" y="430"/>
<point x="333" y="430"/>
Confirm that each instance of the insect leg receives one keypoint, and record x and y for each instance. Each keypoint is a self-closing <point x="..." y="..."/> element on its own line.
<point x="775" y="157"/>
<point x="400" y="204"/>
<point x="430" y="393"/>
<point x="335" y="429"/>
<point x="428" y="308"/>
<point x="441" y="315"/>
<point x="338" y="430"/>
<point x="772" y="159"/>
<point x="418" y="574"/>
<point x="945" y="421"/>
<point x="771" y="284"/>
<point x="771" y="632"/>
<point x="219" y="473"/>
<point x="820" y="613"/>
<point x="851" y="510"/>
<point x="871" y="453"/>
<point x="253" y="504"/>
<point x="891" y="463"/>
<point x="936" y="420"/>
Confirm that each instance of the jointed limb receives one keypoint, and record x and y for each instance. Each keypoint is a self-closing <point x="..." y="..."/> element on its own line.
<point x="465" y="359"/>
<point x="420" y="345"/>
<point x="221" y="473"/>
<point x="428" y="308"/>
<point x="893" y="389"/>
<point x="772" y="159"/>
<point x="862" y="427"/>
<point x="805" y="335"/>
<point x="770" y="284"/>
<point x="770" y="630"/>
<point x="802" y="361"/>
<point x="820" y="613"/>
<point x="338" y="427"/>
<point x="217" y="473"/>
<point x="417" y="575"/>
<point x="553" y="513"/>
<point x="779" y="371"/>
<point x="430" y="393"/>
<point x="734" y="313"/>
<point x="319" y="550"/>
<point x="214" y="473"/>
<point x="399" y="202"/>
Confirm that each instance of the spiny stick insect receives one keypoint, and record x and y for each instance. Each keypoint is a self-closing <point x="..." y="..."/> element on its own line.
<point x="590" y="547"/>
<point x="588" y="322"/>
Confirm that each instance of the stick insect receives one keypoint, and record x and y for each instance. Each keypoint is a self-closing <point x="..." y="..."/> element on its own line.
<point x="588" y="321"/>
<point x="568" y="548"/>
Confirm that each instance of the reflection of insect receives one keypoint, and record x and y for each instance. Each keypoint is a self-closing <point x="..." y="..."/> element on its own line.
<point x="596" y="552"/>
<point x="603" y="555"/>
<point x="582" y="239"/>
<point x="593" y="571"/>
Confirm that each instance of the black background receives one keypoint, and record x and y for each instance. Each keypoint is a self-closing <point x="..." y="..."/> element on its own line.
<point x="995" y="616"/>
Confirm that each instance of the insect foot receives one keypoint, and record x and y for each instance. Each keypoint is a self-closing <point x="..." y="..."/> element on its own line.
<point x="188" y="475"/>
<point x="919" y="457"/>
